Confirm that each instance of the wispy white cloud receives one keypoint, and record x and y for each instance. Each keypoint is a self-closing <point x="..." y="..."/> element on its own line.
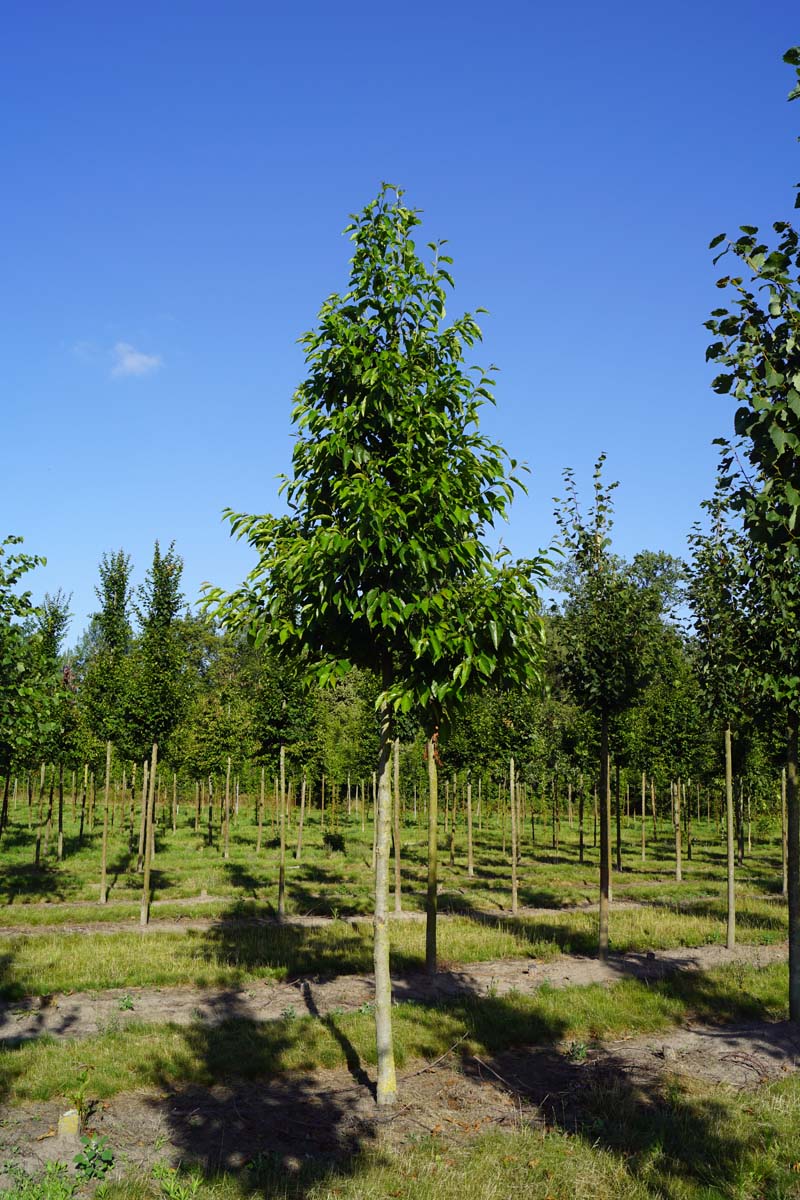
<point x="130" y="361"/>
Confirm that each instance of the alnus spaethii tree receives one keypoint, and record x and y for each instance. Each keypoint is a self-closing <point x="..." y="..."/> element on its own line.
<point x="757" y="345"/>
<point x="383" y="561"/>
<point x="606" y="632"/>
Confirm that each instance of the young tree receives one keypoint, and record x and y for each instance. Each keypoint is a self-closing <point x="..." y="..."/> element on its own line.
<point x="606" y="634"/>
<point x="383" y="561"/>
<point x="25" y="682"/>
<point x="757" y="344"/>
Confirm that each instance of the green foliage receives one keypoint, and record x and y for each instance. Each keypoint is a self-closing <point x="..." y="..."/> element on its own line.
<point x="383" y="561"/>
<point x="609" y="621"/>
<point x="157" y="687"/>
<point x="53" y="1183"/>
<point x="757" y="343"/>
<point x="95" y="1159"/>
<point x="26" y="715"/>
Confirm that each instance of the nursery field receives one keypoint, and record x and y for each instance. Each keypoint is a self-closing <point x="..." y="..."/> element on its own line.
<point x="220" y="1051"/>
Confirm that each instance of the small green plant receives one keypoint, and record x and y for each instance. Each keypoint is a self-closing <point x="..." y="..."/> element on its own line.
<point x="78" y="1098"/>
<point x="289" y="1013"/>
<point x="95" y="1159"/>
<point x="126" y="1003"/>
<point x="51" y="1184"/>
<point x="577" y="1052"/>
<point x="367" y="1009"/>
<point x="173" y="1185"/>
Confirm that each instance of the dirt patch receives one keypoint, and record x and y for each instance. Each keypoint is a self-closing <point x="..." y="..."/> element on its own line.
<point x="83" y="1013"/>
<point x="204" y="924"/>
<point x="320" y="1119"/>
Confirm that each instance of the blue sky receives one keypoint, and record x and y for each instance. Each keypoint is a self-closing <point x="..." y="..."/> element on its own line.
<point x="176" y="180"/>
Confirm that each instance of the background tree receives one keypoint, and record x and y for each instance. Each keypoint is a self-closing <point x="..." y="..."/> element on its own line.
<point x="606" y="633"/>
<point x="383" y="562"/>
<point x="25" y="683"/>
<point x="757" y="343"/>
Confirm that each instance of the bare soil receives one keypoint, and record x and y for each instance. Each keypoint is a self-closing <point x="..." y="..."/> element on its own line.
<point x="83" y="1013"/>
<point x="316" y="1121"/>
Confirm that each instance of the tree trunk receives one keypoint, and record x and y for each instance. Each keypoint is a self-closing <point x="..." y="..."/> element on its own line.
<point x="618" y="800"/>
<point x="104" y="852"/>
<point x="260" y="814"/>
<point x="432" y="899"/>
<point x="282" y="823"/>
<point x="299" y="851"/>
<point x="793" y="824"/>
<point x="784" y="838"/>
<point x="144" y="914"/>
<point x="60" y="812"/>
<point x="731" y="926"/>
<point x="512" y="786"/>
<point x="4" y="814"/>
<point x="644" y="801"/>
<point x="581" y="799"/>
<point x="398" y="896"/>
<point x="470" y="863"/>
<point x="143" y="817"/>
<point x="226" y="833"/>
<point x="387" y="1081"/>
<point x="677" y="818"/>
<point x="605" y="838"/>
<point x="174" y="802"/>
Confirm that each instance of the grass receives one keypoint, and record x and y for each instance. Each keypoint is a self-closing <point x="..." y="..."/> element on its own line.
<point x="678" y="1141"/>
<point x="164" y="1056"/>
<point x="687" y="1145"/>
<point x="228" y="953"/>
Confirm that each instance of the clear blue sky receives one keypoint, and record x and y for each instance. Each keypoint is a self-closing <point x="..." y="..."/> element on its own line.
<point x="176" y="179"/>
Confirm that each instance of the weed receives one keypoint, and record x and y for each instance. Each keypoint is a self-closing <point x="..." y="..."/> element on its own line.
<point x="126" y="1003"/>
<point x="95" y="1159"/>
<point x="51" y="1184"/>
<point x="577" y="1052"/>
<point x="174" y="1185"/>
<point x="289" y="1013"/>
<point x="77" y="1097"/>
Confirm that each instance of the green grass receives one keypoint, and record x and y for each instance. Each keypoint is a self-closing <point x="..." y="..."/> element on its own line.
<point x="229" y="953"/>
<point x="679" y="1141"/>
<point x="166" y="1055"/>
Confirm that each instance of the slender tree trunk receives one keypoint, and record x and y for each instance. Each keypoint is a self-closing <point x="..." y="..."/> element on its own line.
<point x="432" y="899"/>
<point x="513" y="803"/>
<point x="605" y="838"/>
<point x="581" y="800"/>
<point x="227" y="812"/>
<point x="144" y="914"/>
<point x="644" y="814"/>
<point x="470" y="863"/>
<point x="784" y="838"/>
<point x="174" y="802"/>
<point x="282" y="861"/>
<point x="4" y="814"/>
<point x="653" y="807"/>
<point x="143" y="817"/>
<point x="60" y="812"/>
<point x="104" y="852"/>
<point x="48" y="833"/>
<point x="793" y="825"/>
<point x="299" y="851"/>
<point x="618" y="802"/>
<point x="731" y="926"/>
<point x="387" y="1081"/>
<point x="83" y="802"/>
<point x="398" y="896"/>
<point x="677" y="818"/>
<point x="260" y="814"/>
